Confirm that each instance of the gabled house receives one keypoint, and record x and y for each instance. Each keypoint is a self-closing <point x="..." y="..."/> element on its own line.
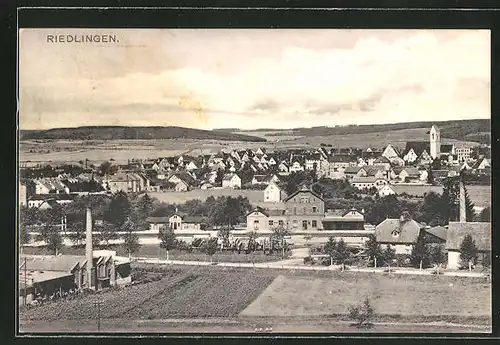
<point x="384" y="162"/>
<point x="377" y="171"/>
<point x="406" y="174"/>
<point x="481" y="164"/>
<point x="400" y="234"/>
<point x="391" y="152"/>
<point x="385" y="190"/>
<point x="284" y="167"/>
<point x="182" y="181"/>
<point x="297" y="164"/>
<point x="351" y="172"/>
<point x="231" y="180"/>
<point x="313" y="161"/>
<point x="272" y="161"/>
<point x="273" y="193"/>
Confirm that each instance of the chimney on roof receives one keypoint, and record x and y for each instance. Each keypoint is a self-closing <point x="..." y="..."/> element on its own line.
<point x="463" y="217"/>
<point x="88" y="247"/>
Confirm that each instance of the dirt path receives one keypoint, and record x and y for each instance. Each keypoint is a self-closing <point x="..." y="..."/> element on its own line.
<point x="239" y="326"/>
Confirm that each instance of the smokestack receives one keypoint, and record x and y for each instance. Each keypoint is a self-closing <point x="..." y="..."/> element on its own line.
<point x="463" y="217"/>
<point x="88" y="247"/>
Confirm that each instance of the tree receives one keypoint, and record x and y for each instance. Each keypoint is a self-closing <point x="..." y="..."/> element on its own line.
<point x="252" y="240"/>
<point x="430" y="175"/>
<point x="209" y="247"/>
<point x="451" y="196"/>
<point x="219" y="177"/>
<point x="130" y="238"/>
<point x="373" y="250"/>
<point x="436" y="255"/>
<point x="142" y="209"/>
<point x="223" y="235"/>
<point x="77" y="233"/>
<point x="388" y="255"/>
<point x="433" y="209"/>
<point x="119" y="209"/>
<point x="107" y="168"/>
<point x="51" y="236"/>
<point x="361" y="313"/>
<point x="24" y="235"/>
<point x="468" y="251"/>
<point x="330" y="248"/>
<point x="485" y="215"/>
<point x="469" y="207"/>
<point x="277" y="238"/>
<point x="420" y="253"/>
<point x="107" y="233"/>
<point x="168" y="240"/>
<point x="341" y="253"/>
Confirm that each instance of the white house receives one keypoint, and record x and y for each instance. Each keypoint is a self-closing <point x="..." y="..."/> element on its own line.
<point x="272" y="193"/>
<point x="231" y="180"/>
<point x="385" y="190"/>
<point x="368" y="182"/>
<point x="390" y="152"/>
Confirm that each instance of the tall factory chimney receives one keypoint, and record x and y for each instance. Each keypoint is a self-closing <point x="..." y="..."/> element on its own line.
<point x="463" y="213"/>
<point x="88" y="247"/>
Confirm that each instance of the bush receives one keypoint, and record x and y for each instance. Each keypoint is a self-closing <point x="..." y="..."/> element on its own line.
<point x="361" y="314"/>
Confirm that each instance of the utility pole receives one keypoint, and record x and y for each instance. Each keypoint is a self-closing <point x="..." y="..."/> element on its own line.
<point x="98" y="304"/>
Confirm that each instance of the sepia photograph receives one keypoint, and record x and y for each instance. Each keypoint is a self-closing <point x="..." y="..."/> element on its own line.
<point x="263" y="181"/>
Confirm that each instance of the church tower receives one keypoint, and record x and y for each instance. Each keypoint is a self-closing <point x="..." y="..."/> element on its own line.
<point x="435" y="142"/>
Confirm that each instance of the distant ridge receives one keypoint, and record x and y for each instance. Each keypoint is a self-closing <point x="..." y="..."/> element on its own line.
<point x="137" y="133"/>
<point x="472" y="130"/>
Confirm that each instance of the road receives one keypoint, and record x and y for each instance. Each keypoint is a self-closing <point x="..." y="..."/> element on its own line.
<point x="296" y="263"/>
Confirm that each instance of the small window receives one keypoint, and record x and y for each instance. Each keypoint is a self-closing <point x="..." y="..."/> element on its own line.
<point x="314" y="224"/>
<point x="256" y="224"/>
<point x="314" y="209"/>
<point x="395" y="233"/>
<point x="271" y="223"/>
<point x="280" y="222"/>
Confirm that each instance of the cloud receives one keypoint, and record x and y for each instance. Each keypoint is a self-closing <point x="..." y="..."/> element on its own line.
<point x="290" y="78"/>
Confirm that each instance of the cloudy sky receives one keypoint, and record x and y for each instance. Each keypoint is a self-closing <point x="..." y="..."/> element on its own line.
<point x="253" y="78"/>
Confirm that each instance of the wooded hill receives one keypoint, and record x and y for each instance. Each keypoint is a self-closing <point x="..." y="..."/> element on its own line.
<point x="128" y="133"/>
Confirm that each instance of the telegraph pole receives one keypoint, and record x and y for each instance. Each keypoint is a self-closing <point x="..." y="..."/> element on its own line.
<point x="98" y="304"/>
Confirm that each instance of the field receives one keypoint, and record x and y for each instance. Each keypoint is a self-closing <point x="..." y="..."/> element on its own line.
<point x="181" y="293"/>
<point x="414" y="298"/>
<point x="480" y="195"/>
<point x="211" y="299"/>
<point x="254" y="196"/>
